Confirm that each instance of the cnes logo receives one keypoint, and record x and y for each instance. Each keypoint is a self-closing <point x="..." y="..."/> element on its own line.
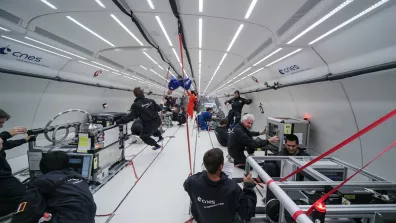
<point x="6" y="50"/>
<point x="288" y="69"/>
<point x="206" y="201"/>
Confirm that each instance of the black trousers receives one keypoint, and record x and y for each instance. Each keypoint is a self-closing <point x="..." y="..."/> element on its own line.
<point x="231" y="114"/>
<point x="151" y="129"/>
<point x="12" y="191"/>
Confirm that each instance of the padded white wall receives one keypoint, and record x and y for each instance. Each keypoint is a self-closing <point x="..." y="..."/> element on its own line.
<point x="337" y="110"/>
<point x="33" y="102"/>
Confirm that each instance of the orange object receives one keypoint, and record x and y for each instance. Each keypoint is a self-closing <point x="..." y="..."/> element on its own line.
<point x="191" y="102"/>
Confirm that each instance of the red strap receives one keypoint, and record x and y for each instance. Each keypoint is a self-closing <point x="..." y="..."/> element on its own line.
<point x="322" y="199"/>
<point x="187" y="129"/>
<point x="269" y="182"/>
<point x="345" y="142"/>
<point x="134" y="170"/>
<point x="189" y="220"/>
<point x="297" y="213"/>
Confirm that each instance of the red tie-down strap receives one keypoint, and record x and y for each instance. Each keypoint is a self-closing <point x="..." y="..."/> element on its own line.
<point x="189" y="220"/>
<point x="342" y="144"/>
<point x="322" y="199"/>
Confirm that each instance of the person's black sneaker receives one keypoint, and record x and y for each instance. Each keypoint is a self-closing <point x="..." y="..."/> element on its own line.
<point x="156" y="147"/>
<point x="160" y="139"/>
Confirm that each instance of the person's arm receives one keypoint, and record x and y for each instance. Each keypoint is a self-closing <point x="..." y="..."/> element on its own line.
<point x="244" y="139"/>
<point x="255" y="133"/>
<point x="247" y="199"/>
<point x="228" y="101"/>
<point x="5" y="135"/>
<point x="10" y="144"/>
<point x="188" y="93"/>
<point x="156" y="106"/>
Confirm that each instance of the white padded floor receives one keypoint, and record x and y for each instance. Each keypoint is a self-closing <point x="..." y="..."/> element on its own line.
<point x="159" y="195"/>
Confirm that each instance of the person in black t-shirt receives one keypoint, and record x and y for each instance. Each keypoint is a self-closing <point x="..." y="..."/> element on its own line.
<point x="147" y="111"/>
<point x="222" y="133"/>
<point x="215" y="197"/>
<point x="237" y="104"/>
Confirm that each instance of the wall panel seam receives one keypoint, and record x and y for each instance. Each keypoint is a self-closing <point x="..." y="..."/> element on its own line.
<point x="38" y="104"/>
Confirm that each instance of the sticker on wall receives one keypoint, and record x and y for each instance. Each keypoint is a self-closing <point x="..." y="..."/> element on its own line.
<point x="97" y="73"/>
<point x="287" y="129"/>
<point x="255" y="79"/>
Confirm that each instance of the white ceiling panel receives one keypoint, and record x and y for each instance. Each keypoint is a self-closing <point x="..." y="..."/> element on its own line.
<point x="143" y="6"/>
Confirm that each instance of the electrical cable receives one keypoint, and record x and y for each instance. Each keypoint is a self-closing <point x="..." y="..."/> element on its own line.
<point x="137" y="23"/>
<point x="176" y="13"/>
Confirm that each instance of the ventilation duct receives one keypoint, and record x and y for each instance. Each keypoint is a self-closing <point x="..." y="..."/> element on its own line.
<point x="110" y="61"/>
<point x="10" y="17"/>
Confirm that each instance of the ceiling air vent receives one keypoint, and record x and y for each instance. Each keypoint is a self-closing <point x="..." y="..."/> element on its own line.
<point x="110" y="61"/>
<point x="259" y="49"/>
<point x="10" y="17"/>
<point x="59" y="39"/>
<point x="297" y="16"/>
<point x="130" y="70"/>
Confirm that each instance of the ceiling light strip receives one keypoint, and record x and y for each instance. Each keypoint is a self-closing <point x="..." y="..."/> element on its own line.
<point x="126" y="29"/>
<point x="200" y="5"/>
<point x="150" y="58"/>
<point x="157" y="74"/>
<point x="89" y="30"/>
<point x="7" y="30"/>
<point x="200" y="32"/>
<point x="18" y="41"/>
<point x="324" y="18"/>
<point x="116" y="73"/>
<point x="235" y="37"/>
<point x="105" y="66"/>
<point x="251" y="7"/>
<point x="100" y="3"/>
<point x="174" y="51"/>
<point x="92" y="65"/>
<point x="284" y="57"/>
<point x="143" y="67"/>
<point x="150" y="4"/>
<point x="267" y="56"/>
<point x="163" y="30"/>
<point x="199" y="56"/>
<point x="49" y="4"/>
<point x="54" y="47"/>
<point x="378" y="4"/>
<point x="234" y="78"/>
<point x="222" y="59"/>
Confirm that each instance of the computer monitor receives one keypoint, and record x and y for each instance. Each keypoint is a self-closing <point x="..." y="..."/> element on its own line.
<point x="81" y="163"/>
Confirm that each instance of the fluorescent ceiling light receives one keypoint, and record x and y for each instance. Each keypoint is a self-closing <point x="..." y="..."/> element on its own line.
<point x="143" y="67"/>
<point x="7" y="30"/>
<point x="105" y="66"/>
<point x="252" y="73"/>
<point x="200" y="57"/>
<point x="324" y="18"/>
<point x="160" y="66"/>
<point x="284" y="57"/>
<point x="251" y="7"/>
<point x="49" y="4"/>
<point x="200" y="6"/>
<point x="126" y="29"/>
<point x="116" y="73"/>
<point x="163" y="29"/>
<point x="174" y="51"/>
<point x="200" y="32"/>
<point x="350" y="20"/>
<point x="92" y="65"/>
<point x="212" y="78"/>
<point x="18" y="41"/>
<point x="92" y="32"/>
<point x="100" y="3"/>
<point x="225" y="55"/>
<point x="235" y="37"/>
<point x="173" y="75"/>
<point x="150" y="58"/>
<point x="150" y="4"/>
<point x="157" y="74"/>
<point x="235" y="77"/>
<point x="54" y="47"/>
<point x="268" y="56"/>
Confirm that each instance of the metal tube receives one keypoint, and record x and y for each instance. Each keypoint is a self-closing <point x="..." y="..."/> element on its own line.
<point x="314" y="185"/>
<point x="310" y="170"/>
<point x="363" y="172"/>
<point x="355" y="209"/>
<point x="283" y="198"/>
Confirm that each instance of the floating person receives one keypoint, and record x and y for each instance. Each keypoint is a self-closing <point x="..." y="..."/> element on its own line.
<point x="175" y="84"/>
<point x="237" y="104"/>
<point x="191" y="103"/>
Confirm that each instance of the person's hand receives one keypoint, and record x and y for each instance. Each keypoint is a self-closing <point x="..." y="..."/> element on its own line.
<point x="273" y="139"/>
<point x="27" y="138"/>
<point x="1" y="144"/>
<point x="18" y="130"/>
<point x="248" y="178"/>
